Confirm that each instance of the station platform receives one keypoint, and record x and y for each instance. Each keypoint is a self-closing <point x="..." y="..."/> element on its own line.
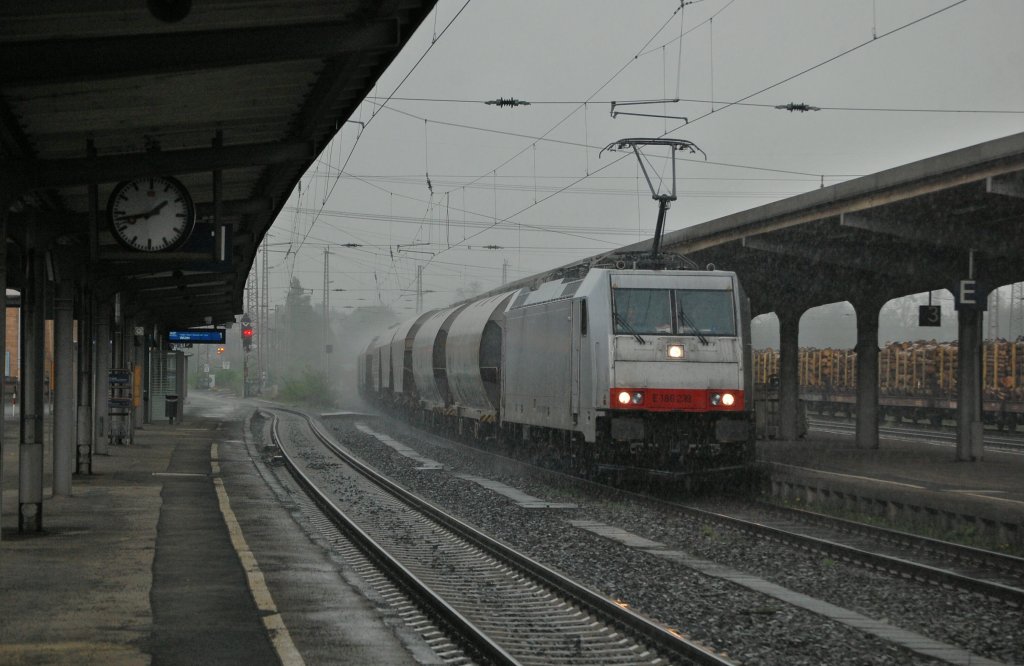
<point x="179" y="550"/>
<point x="904" y="479"/>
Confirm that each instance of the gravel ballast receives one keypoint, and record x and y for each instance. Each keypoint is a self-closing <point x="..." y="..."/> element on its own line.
<point x="748" y="626"/>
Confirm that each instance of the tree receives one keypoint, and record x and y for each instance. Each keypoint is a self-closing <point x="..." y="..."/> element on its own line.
<point x="302" y="347"/>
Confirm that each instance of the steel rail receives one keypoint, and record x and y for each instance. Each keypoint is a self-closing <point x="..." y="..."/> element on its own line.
<point x="879" y="561"/>
<point x="657" y="636"/>
<point x="466" y="632"/>
<point x="1010" y="564"/>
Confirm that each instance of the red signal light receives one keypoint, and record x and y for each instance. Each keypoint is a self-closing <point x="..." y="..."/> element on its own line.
<point x="247" y="332"/>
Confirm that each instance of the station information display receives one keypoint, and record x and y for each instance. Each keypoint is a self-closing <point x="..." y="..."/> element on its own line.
<point x="212" y="336"/>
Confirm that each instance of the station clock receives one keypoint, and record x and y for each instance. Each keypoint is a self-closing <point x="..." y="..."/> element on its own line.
<point x="151" y="214"/>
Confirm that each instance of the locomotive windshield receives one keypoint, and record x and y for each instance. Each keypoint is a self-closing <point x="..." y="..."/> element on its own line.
<point x="673" y="311"/>
<point x="709" y="312"/>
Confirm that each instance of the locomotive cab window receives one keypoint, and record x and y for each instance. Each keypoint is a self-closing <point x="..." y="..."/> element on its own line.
<point x="706" y="312"/>
<point x="673" y="311"/>
<point x="642" y="311"/>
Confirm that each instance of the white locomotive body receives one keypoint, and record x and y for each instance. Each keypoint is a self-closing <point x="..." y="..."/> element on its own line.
<point x="647" y="368"/>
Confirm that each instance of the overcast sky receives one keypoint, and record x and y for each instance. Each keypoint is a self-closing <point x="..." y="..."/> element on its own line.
<point x="529" y="182"/>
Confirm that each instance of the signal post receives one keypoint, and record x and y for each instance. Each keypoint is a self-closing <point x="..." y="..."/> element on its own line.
<point x="247" y="337"/>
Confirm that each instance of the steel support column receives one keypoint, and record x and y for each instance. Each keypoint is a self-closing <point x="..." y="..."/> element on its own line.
<point x="181" y="383"/>
<point x="789" y="380"/>
<point x="969" y="441"/>
<point x="83" y="457"/>
<point x="867" y="374"/>
<point x="147" y="371"/>
<point x="120" y="426"/>
<point x="101" y="378"/>
<point x="64" y="384"/>
<point x="30" y="458"/>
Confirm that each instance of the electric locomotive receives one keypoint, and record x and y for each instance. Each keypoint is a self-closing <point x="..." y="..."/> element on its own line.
<point x="607" y="367"/>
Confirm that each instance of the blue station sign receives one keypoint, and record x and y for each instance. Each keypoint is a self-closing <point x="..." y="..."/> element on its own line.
<point x="211" y="336"/>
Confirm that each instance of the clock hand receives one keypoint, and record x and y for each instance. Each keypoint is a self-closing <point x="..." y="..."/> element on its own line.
<point x="148" y="214"/>
<point x="155" y="210"/>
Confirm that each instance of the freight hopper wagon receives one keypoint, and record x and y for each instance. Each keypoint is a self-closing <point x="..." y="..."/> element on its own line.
<point x="917" y="380"/>
<point x="625" y="368"/>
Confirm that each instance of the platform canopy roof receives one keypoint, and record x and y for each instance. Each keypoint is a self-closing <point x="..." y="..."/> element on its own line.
<point x="910" y="229"/>
<point x="227" y="95"/>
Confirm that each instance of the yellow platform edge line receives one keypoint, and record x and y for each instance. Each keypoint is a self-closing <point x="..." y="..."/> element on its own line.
<point x="272" y="620"/>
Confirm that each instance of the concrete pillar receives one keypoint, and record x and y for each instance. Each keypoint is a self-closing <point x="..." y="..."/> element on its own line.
<point x="117" y="349"/>
<point x="64" y="380"/>
<point x="33" y="361"/>
<point x="867" y="374"/>
<point x="789" y="380"/>
<point x="118" y="427"/>
<point x="969" y="440"/>
<point x="147" y="410"/>
<point x="83" y="457"/>
<point x="101" y="379"/>
<point x="182" y="383"/>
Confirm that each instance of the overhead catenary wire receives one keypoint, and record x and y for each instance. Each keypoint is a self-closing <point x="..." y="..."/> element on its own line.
<point x="586" y="140"/>
<point x="570" y="231"/>
<point x="595" y="93"/>
<point x="789" y="78"/>
<point x="564" y="142"/>
<point x="532" y="146"/>
<point x="372" y="268"/>
<point x="487" y="223"/>
<point x="702" y="100"/>
<point x="827" y="61"/>
<point x="494" y="171"/>
<point x="564" y="189"/>
<point x="319" y="244"/>
<point x="529" y="178"/>
<point x="831" y="59"/>
<point x="405" y="78"/>
<point x="711" y="59"/>
<point x="679" y="58"/>
<point x="664" y="92"/>
<point x="466" y="223"/>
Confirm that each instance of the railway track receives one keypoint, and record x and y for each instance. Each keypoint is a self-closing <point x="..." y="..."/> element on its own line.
<point x="895" y="552"/>
<point x="500" y="605"/>
<point x="908" y="555"/>
<point x="918" y="433"/>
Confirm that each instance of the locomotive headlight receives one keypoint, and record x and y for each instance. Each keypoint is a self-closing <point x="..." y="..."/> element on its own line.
<point x="675" y="351"/>
<point x="716" y="398"/>
<point x="728" y="399"/>
<point x="626" y="397"/>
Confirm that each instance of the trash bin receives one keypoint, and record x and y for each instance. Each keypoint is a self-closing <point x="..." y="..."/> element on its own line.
<point x="171" y="407"/>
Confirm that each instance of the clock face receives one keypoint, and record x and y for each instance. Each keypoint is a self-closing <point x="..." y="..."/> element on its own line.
<point x="151" y="214"/>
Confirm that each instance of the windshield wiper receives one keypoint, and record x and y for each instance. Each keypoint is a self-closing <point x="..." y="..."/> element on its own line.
<point x="629" y="329"/>
<point x="689" y="322"/>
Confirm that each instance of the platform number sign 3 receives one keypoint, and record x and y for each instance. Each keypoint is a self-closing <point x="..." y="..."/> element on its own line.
<point x="929" y="315"/>
<point x="151" y="214"/>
